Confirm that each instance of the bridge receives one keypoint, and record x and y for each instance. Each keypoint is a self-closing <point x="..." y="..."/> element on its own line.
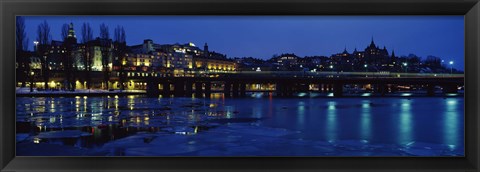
<point x="233" y="84"/>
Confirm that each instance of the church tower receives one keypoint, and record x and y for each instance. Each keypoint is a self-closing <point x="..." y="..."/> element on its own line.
<point x="345" y="52"/>
<point x="205" y="50"/>
<point x="372" y="44"/>
<point x="71" y="32"/>
<point x="71" y="37"/>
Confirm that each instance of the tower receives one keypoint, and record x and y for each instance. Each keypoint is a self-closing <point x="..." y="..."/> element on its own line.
<point x="205" y="50"/>
<point x="148" y="46"/>
<point x="71" y="32"/>
<point x="345" y="52"/>
<point x="70" y="45"/>
<point x="372" y="44"/>
<point x="71" y="37"/>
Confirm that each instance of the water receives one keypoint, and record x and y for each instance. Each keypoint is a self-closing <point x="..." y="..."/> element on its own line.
<point x="262" y="126"/>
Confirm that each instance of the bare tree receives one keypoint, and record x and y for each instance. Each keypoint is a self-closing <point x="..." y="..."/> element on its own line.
<point x="87" y="33"/>
<point x="123" y="37"/>
<point x="21" y="46"/>
<point x="105" y="43"/>
<point x="87" y="36"/>
<point x="64" y="31"/>
<point x="120" y="50"/>
<point x="116" y="34"/>
<point x="26" y="44"/>
<point x="104" y="33"/>
<point x="44" y="38"/>
<point x="43" y="33"/>
<point x="119" y="34"/>
<point x="21" y="35"/>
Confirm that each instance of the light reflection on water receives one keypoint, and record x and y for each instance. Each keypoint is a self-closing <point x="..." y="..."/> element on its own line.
<point x="301" y="114"/>
<point x="377" y="120"/>
<point x="405" y="125"/>
<point x="366" y="128"/>
<point x="451" y="122"/>
<point x="331" y="121"/>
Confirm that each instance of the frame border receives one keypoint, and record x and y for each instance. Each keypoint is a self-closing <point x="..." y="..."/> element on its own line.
<point x="10" y="8"/>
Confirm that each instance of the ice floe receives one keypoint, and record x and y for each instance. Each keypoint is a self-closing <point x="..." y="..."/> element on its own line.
<point x="62" y="134"/>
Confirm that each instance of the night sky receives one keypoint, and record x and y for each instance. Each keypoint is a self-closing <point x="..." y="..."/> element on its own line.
<point x="263" y="36"/>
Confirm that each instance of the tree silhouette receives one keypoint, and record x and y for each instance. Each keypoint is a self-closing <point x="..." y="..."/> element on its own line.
<point x="87" y="33"/>
<point x="87" y="36"/>
<point x="105" y="44"/>
<point x="21" y="46"/>
<point x="104" y="33"/>
<point x="64" y="31"/>
<point x="44" y="37"/>
<point x="119" y="34"/>
<point x="43" y="33"/>
<point x="120" y="50"/>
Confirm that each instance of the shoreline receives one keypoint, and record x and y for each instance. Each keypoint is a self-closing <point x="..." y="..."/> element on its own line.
<point x="321" y="95"/>
<point x="73" y="94"/>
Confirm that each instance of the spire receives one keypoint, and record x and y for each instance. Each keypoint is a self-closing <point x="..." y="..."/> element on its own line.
<point x="393" y="53"/>
<point x="355" y="50"/>
<point x="345" y="50"/>
<point x="372" y="44"/>
<point x="205" y="50"/>
<point x="71" y="32"/>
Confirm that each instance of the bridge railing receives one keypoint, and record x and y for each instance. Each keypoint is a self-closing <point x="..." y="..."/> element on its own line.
<point x="327" y="74"/>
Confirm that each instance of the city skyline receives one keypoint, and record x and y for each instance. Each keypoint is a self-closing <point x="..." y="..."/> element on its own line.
<point x="133" y="91"/>
<point x="304" y="36"/>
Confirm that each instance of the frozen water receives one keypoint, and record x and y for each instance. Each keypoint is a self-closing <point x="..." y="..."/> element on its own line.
<point x="137" y="126"/>
<point x="21" y="137"/>
<point x="259" y="131"/>
<point x="62" y="134"/>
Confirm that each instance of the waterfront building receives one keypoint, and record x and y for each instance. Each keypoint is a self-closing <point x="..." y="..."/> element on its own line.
<point x="343" y="61"/>
<point x="374" y="58"/>
<point x="253" y="64"/>
<point x="288" y="61"/>
<point x="377" y="59"/>
<point x="104" y="64"/>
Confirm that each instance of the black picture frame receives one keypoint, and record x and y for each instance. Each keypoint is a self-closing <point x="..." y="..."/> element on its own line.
<point x="10" y="8"/>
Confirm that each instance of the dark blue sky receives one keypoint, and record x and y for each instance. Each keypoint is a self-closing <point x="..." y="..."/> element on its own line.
<point x="263" y="36"/>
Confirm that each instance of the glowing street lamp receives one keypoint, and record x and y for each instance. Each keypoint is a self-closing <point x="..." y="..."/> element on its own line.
<point x="451" y="67"/>
<point x="31" y="80"/>
<point x="36" y="45"/>
<point x="405" y="65"/>
<point x="366" y="69"/>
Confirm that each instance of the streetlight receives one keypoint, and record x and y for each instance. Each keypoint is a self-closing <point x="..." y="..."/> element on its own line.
<point x="366" y="69"/>
<point x="451" y="67"/>
<point x="36" y="45"/>
<point x="31" y="80"/>
<point x="405" y="65"/>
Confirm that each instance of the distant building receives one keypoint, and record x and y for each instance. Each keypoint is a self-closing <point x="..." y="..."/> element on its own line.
<point x="377" y="58"/>
<point x="178" y="59"/>
<point x="286" y="61"/>
<point x="252" y="64"/>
